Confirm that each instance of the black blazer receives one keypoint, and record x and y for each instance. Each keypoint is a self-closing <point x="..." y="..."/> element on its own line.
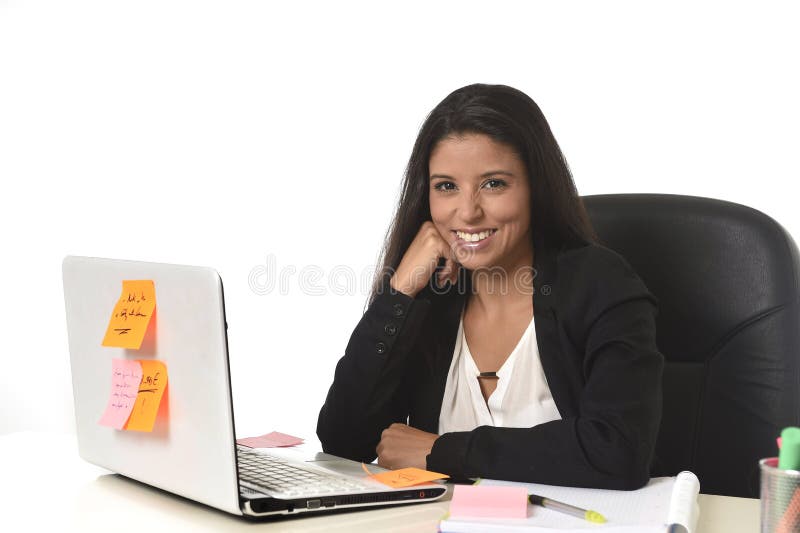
<point x="595" y="327"/>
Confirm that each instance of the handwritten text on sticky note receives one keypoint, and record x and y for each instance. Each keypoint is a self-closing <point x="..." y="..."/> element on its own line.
<point x="151" y="390"/>
<point x="131" y="314"/>
<point x="125" y="378"/>
<point x="406" y="477"/>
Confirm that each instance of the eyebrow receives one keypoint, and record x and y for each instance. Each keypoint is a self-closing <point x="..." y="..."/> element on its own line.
<point x="484" y="175"/>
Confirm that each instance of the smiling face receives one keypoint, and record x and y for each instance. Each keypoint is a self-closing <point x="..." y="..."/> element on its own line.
<point x="480" y="201"/>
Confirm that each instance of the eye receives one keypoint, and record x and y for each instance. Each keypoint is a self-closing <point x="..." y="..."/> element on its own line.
<point x="445" y="186"/>
<point x="494" y="184"/>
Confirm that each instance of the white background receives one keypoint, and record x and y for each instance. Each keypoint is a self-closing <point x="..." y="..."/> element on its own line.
<point x="225" y="133"/>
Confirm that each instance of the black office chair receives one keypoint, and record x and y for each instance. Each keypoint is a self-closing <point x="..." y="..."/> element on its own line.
<point x="728" y="282"/>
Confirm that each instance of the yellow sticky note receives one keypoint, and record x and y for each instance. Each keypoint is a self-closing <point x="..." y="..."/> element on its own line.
<point x="131" y="315"/>
<point x="406" y="477"/>
<point x="151" y="389"/>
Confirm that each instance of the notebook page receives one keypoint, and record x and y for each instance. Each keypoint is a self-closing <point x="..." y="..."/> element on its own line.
<point x="648" y="506"/>
<point x="456" y="526"/>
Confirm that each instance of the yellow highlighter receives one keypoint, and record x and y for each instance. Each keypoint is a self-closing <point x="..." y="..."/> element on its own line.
<point x="591" y="516"/>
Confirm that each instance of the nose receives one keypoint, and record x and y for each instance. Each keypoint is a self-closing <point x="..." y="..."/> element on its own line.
<point x="470" y="208"/>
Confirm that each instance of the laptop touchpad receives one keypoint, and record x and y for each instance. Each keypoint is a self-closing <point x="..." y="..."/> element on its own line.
<point x="350" y="468"/>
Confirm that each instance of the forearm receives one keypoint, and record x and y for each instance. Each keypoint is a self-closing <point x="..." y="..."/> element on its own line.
<point x="553" y="453"/>
<point x="367" y="393"/>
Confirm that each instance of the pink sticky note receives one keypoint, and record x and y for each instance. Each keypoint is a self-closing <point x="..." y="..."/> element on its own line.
<point x="476" y="501"/>
<point x="125" y="378"/>
<point x="270" y="440"/>
<point x="780" y="442"/>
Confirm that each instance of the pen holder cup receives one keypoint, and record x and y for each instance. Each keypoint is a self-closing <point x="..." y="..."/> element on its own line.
<point x="780" y="498"/>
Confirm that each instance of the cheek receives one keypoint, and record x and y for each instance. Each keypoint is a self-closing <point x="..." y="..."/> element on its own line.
<point x="513" y="213"/>
<point x="523" y="222"/>
<point x="440" y="216"/>
<point x="438" y="211"/>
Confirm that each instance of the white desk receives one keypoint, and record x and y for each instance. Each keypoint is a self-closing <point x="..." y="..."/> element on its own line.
<point x="47" y="487"/>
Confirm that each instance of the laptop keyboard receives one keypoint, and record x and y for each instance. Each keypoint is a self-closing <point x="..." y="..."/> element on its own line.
<point x="288" y="479"/>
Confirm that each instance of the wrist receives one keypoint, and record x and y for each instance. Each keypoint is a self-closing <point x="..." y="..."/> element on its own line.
<point x="433" y="440"/>
<point x="408" y="291"/>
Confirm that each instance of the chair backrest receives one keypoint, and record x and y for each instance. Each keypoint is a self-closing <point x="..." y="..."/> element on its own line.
<point x="727" y="280"/>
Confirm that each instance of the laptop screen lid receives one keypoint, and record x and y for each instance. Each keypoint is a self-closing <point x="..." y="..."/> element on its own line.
<point x="191" y="449"/>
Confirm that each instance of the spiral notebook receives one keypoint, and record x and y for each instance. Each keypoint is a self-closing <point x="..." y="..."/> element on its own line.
<point x="663" y="502"/>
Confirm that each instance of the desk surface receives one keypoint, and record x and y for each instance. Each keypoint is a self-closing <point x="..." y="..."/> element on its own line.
<point x="45" y="485"/>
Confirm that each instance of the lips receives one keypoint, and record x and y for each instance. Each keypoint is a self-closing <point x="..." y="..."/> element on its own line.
<point x="474" y="245"/>
<point x="474" y="235"/>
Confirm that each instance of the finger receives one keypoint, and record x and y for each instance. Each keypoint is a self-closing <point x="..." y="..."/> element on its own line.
<point x="445" y="273"/>
<point x="460" y="254"/>
<point x="450" y="271"/>
<point x="454" y="275"/>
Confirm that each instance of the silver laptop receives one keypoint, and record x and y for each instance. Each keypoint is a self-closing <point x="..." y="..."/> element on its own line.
<point x="191" y="450"/>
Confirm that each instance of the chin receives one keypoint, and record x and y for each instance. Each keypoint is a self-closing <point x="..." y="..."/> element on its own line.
<point x="476" y="264"/>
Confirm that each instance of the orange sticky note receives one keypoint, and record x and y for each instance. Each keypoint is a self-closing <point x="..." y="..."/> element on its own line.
<point x="406" y="477"/>
<point x="131" y="315"/>
<point x="151" y="389"/>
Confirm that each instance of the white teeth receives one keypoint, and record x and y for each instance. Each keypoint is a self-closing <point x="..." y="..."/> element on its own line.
<point x="473" y="237"/>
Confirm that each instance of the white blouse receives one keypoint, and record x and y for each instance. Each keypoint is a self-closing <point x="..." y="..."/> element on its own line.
<point x="522" y="397"/>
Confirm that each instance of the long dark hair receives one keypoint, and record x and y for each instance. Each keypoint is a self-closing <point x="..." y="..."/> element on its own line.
<point x="510" y="117"/>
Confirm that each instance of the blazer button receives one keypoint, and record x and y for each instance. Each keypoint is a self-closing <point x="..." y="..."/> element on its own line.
<point x="380" y="347"/>
<point x="390" y="329"/>
<point x="398" y="310"/>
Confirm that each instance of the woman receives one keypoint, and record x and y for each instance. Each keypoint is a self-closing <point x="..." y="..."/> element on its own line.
<point x="500" y="341"/>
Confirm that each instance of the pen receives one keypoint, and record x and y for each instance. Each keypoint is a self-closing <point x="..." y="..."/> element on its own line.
<point x="591" y="516"/>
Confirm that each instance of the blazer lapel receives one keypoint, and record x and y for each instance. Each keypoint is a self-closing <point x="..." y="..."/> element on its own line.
<point x="545" y="312"/>
<point x="436" y="346"/>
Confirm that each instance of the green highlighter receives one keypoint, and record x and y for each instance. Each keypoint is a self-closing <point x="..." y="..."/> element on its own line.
<point x="591" y="516"/>
<point x="789" y="456"/>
